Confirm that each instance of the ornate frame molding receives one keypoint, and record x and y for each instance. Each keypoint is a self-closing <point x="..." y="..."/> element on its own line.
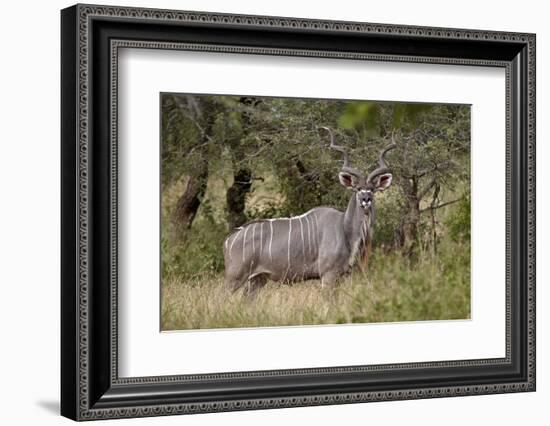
<point x="80" y="19"/>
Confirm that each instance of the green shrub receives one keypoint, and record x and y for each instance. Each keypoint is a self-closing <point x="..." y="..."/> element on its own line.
<point x="459" y="221"/>
<point x="389" y="212"/>
<point x="196" y="254"/>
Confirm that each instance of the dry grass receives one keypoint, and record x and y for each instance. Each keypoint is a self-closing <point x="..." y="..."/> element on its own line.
<point x="391" y="291"/>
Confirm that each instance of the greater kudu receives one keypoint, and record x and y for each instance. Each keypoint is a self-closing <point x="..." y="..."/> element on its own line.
<point x="321" y="243"/>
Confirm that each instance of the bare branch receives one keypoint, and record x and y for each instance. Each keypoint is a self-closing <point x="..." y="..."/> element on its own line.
<point x="252" y="179"/>
<point x="426" y="189"/>
<point x="196" y="147"/>
<point x="435" y="197"/>
<point x="259" y="151"/>
<point x="424" y="172"/>
<point x="441" y="205"/>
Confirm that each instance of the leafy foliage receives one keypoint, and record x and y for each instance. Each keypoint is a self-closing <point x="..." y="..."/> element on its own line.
<point x="459" y="222"/>
<point x="279" y="144"/>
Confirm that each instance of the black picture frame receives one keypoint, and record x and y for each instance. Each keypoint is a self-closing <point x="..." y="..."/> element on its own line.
<point x="90" y="386"/>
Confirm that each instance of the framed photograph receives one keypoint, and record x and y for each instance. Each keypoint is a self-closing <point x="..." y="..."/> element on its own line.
<point x="263" y="212"/>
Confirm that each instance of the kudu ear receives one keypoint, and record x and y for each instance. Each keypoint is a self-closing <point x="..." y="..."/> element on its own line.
<point x="383" y="181"/>
<point x="347" y="179"/>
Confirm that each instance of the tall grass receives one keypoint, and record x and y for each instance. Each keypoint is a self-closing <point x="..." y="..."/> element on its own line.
<point x="434" y="287"/>
<point x="428" y="286"/>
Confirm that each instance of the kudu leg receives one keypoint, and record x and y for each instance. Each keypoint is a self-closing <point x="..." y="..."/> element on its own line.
<point x="254" y="285"/>
<point x="232" y="284"/>
<point x="329" y="283"/>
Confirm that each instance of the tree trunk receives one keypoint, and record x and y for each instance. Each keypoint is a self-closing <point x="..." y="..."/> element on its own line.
<point x="189" y="202"/>
<point x="202" y="113"/>
<point x="435" y="199"/>
<point x="409" y="229"/>
<point x="236" y="197"/>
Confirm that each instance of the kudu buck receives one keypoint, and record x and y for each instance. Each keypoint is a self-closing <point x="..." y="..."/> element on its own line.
<point x="321" y="243"/>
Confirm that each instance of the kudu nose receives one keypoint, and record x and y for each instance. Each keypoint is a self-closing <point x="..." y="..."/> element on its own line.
<point x="366" y="198"/>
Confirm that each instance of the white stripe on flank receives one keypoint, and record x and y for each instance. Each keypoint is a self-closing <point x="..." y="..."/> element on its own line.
<point x="315" y="236"/>
<point x="289" y="231"/>
<point x="308" y="237"/>
<point x="303" y="241"/>
<point x="317" y="245"/>
<point x="234" y="239"/>
<point x="244" y="240"/>
<point x="288" y="255"/>
<point x="253" y="238"/>
<point x="261" y="238"/>
<point x="304" y="261"/>
<point x="292" y="217"/>
<point x="271" y="240"/>
<point x="302" y="215"/>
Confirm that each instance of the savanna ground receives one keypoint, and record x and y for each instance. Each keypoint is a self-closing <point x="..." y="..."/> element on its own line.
<point x="434" y="289"/>
<point x="428" y="280"/>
